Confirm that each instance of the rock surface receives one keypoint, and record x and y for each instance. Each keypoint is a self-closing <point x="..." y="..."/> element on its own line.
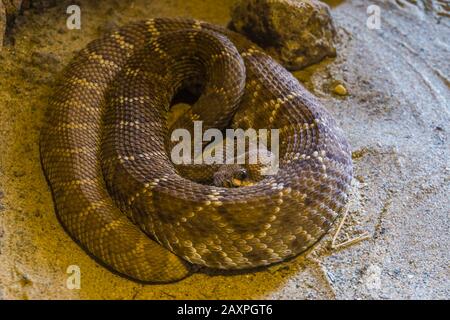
<point x="298" y="33"/>
<point x="12" y="6"/>
<point x="2" y="22"/>
<point x="10" y="9"/>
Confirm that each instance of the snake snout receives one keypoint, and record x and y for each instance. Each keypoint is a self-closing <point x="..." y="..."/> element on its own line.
<point x="232" y="176"/>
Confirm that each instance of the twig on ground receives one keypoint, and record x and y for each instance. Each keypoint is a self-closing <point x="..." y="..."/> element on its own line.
<point x="357" y="239"/>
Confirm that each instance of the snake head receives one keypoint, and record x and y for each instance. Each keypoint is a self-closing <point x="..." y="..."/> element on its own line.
<point x="232" y="176"/>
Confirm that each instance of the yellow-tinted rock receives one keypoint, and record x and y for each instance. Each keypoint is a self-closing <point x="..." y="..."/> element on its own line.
<point x="2" y="22"/>
<point x="297" y="33"/>
<point x="340" y="90"/>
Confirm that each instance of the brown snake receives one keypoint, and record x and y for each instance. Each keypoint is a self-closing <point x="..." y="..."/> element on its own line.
<point x="116" y="191"/>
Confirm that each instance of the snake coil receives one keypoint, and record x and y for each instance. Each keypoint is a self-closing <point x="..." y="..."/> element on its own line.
<point x="116" y="192"/>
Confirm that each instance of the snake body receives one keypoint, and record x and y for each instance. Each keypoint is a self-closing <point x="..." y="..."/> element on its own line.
<point x="116" y="192"/>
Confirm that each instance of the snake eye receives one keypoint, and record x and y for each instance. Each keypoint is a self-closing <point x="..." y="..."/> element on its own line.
<point x="242" y="174"/>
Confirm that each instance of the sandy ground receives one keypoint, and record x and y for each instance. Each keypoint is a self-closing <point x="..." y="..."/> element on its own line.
<point x="396" y="117"/>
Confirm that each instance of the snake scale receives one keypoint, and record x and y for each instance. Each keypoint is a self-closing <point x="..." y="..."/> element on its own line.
<point x="116" y="191"/>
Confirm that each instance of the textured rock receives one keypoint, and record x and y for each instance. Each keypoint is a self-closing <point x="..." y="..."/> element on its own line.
<point x="297" y="33"/>
<point x="39" y="4"/>
<point x="2" y="22"/>
<point x="12" y="6"/>
<point x="10" y="9"/>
